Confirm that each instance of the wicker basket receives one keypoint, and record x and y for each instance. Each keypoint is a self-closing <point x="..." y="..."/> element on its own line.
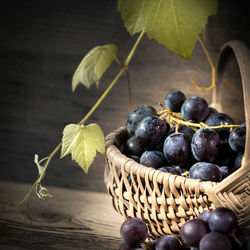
<point x="181" y="198"/>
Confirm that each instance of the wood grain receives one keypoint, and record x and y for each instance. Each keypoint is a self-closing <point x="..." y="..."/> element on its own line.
<point x="74" y="219"/>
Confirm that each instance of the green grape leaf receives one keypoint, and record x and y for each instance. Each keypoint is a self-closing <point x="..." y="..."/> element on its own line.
<point x="174" y="23"/>
<point x="82" y="142"/>
<point x="94" y="65"/>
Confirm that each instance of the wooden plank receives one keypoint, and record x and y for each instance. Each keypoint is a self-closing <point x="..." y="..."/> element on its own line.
<point x="73" y="219"/>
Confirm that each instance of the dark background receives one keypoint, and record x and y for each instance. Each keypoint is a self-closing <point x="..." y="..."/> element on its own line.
<point x="42" y="43"/>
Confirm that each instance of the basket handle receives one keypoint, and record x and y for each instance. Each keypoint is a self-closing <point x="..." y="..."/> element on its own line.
<point x="233" y="192"/>
<point x="242" y="55"/>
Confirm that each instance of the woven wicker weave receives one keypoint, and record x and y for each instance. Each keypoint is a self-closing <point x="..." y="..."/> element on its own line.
<point x="181" y="198"/>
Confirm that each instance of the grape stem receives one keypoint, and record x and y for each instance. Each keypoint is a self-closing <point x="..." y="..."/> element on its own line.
<point x="175" y="118"/>
<point x="42" y="169"/>
<point x="212" y="69"/>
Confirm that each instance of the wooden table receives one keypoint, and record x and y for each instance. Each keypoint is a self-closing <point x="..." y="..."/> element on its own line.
<point x="73" y="219"/>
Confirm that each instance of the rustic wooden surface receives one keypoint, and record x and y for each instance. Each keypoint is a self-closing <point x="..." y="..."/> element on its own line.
<point x="41" y="44"/>
<point x="73" y="219"/>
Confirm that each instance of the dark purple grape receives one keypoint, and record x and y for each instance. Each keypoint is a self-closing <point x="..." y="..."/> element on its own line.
<point x="225" y="171"/>
<point x="223" y="220"/>
<point x="195" y="109"/>
<point x="187" y="131"/>
<point x="136" y="115"/>
<point x="237" y="139"/>
<point x="226" y="155"/>
<point x="192" y="232"/>
<point x="151" y="131"/>
<point x="134" y="231"/>
<point x="216" y="120"/>
<point x="176" y="149"/>
<point x="215" y="241"/>
<point x="174" y="100"/>
<point x="167" y="169"/>
<point x="205" y="145"/>
<point x="134" y="146"/>
<point x="168" y="242"/>
<point x="153" y="158"/>
<point x="205" y="215"/>
<point x="237" y="162"/>
<point x="205" y="171"/>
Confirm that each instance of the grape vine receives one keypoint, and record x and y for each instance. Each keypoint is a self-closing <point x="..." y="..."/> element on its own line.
<point x="41" y="191"/>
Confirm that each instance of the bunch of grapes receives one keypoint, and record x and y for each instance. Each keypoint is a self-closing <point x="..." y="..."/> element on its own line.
<point x="210" y="151"/>
<point x="211" y="230"/>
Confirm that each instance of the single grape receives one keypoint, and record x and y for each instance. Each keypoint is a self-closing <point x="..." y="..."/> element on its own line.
<point x="176" y="149"/>
<point x="192" y="232"/>
<point x="187" y="131"/>
<point x="168" y="242"/>
<point x="237" y="162"/>
<point x="218" y="119"/>
<point x="215" y="241"/>
<point x="237" y="139"/>
<point x="153" y="158"/>
<point x="225" y="171"/>
<point x="137" y="114"/>
<point x="151" y="131"/>
<point x="195" y="109"/>
<point x="134" y="231"/>
<point x="223" y="220"/>
<point x="205" y="145"/>
<point x="168" y="169"/>
<point x="134" y="146"/>
<point x="174" y="100"/>
<point x="205" y="215"/>
<point x="205" y="171"/>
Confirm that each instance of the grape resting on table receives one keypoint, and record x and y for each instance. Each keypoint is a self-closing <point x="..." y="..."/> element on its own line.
<point x="211" y="230"/>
